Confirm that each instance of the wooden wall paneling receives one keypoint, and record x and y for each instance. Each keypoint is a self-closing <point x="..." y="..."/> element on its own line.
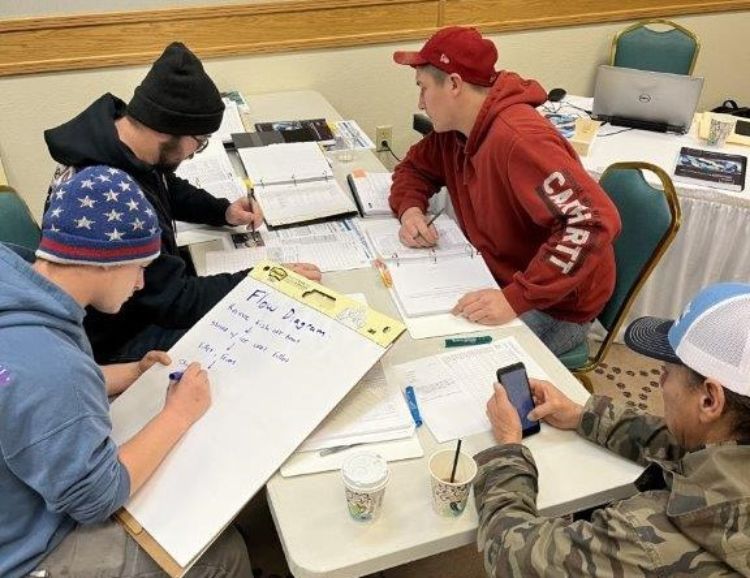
<point x="497" y="15"/>
<point x="33" y="45"/>
<point x="37" y="45"/>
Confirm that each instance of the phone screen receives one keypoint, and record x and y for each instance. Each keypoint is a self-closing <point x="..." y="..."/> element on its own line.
<point x="516" y="384"/>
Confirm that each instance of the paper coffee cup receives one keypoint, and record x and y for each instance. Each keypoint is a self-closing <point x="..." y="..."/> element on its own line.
<point x="449" y="498"/>
<point x="365" y="476"/>
<point x="719" y="130"/>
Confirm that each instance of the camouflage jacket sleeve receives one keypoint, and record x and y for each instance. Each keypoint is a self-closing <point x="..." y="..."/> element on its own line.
<point x="518" y="542"/>
<point x="628" y="433"/>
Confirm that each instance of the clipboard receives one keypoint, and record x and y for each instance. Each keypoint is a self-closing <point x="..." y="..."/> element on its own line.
<point x="230" y="453"/>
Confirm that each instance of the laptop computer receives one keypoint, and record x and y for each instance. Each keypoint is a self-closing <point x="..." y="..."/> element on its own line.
<point x="647" y="100"/>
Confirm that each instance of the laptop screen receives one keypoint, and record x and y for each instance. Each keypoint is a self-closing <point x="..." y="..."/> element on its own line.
<point x="658" y="100"/>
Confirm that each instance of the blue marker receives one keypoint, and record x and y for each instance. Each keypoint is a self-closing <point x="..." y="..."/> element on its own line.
<point x="411" y="401"/>
<point x="175" y="376"/>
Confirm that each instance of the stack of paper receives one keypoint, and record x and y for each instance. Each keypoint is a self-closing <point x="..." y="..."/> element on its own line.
<point x="374" y="411"/>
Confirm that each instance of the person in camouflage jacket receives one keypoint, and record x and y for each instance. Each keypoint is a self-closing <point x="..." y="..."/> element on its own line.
<point x="691" y="515"/>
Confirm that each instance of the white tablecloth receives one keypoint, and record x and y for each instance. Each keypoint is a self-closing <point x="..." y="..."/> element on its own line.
<point x="713" y="243"/>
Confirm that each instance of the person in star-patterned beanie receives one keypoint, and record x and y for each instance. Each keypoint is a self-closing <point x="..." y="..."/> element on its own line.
<point x="99" y="217"/>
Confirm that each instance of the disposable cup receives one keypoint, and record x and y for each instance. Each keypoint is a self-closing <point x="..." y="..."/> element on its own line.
<point x="449" y="498"/>
<point x="365" y="476"/>
<point x="718" y="131"/>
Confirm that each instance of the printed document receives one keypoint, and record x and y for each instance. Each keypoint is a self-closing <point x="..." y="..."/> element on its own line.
<point x="429" y="281"/>
<point x="211" y="170"/>
<point x="332" y="246"/>
<point x="452" y="388"/>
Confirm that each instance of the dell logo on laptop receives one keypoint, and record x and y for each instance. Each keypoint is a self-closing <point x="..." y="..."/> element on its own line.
<point x="644" y="98"/>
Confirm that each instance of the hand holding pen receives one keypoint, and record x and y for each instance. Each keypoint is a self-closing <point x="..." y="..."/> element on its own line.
<point x="189" y="394"/>
<point x="417" y="230"/>
<point x="245" y="210"/>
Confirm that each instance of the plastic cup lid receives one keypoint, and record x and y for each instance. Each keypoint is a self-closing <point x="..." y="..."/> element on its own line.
<point x="365" y="470"/>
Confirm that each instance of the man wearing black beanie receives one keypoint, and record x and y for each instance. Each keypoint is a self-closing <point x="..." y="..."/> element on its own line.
<point x="168" y="120"/>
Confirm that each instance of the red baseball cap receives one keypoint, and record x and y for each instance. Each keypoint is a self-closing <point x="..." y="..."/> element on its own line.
<point x="456" y="49"/>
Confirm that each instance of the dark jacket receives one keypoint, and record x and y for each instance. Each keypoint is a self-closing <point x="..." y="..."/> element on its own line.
<point x="173" y="297"/>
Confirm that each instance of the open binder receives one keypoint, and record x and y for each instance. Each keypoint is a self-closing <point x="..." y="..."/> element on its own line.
<point x="428" y="281"/>
<point x="294" y="184"/>
<point x="272" y="348"/>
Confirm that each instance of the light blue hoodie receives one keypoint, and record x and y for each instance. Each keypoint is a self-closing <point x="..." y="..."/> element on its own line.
<point x="58" y="465"/>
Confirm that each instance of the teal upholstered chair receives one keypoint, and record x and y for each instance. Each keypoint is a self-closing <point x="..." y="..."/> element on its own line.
<point x="650" y="218"/>
<point x="17" y="226"/>
<point x="672" y="50"/>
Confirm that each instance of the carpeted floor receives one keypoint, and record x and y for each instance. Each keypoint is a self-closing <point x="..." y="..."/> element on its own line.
<point x="625" y="376"/>
<point x="630" y="378"/>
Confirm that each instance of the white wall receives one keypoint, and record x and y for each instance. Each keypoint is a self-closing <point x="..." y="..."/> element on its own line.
<point x="362" y="83"/>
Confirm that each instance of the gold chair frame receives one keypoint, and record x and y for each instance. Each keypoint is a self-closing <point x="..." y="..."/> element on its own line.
<point x="674" y="208"/>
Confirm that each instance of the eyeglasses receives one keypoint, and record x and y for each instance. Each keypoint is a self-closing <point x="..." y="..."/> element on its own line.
<point x="202" y="143"/>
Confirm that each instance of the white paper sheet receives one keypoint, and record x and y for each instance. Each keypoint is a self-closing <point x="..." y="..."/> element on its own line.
<point x="285" y="163"/>
<point x="428" y="288"/>
<point x="212" y="171"/>
<point x="231" y="121"/>
<point x="373" y="411"/>
<point x="383" y="236"/>
<point x="452" y="388"/>
<point x="284" y="204"/>
<point x="275" y="371"/>
<point x="332" y="246"/>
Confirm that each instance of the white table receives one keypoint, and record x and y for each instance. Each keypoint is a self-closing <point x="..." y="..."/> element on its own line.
<point x="320" y="539"/>
<point x="317" y="534"/>
<point x="713" y="242"/>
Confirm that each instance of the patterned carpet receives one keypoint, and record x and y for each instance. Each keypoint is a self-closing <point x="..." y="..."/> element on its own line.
<point x="631" y="379"/>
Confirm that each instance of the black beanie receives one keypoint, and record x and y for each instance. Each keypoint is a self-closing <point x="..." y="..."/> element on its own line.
<point x="177" y="96"/>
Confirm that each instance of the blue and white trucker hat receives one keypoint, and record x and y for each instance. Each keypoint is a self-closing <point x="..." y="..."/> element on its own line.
<point x="712" y="336"/>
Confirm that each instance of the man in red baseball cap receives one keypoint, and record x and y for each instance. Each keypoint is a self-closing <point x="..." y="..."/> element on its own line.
<point x="520" y="194"/>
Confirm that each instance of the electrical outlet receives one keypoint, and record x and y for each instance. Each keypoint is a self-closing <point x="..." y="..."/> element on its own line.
<point x="383" y="137"/>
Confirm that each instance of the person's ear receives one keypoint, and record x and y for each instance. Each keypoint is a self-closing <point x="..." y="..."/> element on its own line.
<point x="456" y="82"/>
<point x="712" y="401"/>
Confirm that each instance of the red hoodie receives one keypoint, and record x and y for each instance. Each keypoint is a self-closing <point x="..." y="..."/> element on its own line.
<point x="522" y="197"/>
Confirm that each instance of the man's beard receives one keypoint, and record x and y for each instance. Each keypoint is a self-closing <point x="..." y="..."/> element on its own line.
<point x="169" y="151"/>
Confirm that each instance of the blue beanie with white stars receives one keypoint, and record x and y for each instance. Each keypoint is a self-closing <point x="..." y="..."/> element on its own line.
<point x="99" y="216"/>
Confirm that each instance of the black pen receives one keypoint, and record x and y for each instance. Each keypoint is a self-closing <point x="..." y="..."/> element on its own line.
<point x="435" y="216"/>
<point x="431" y="220"/>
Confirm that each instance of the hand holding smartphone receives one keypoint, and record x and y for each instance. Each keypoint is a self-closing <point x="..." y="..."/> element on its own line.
<point x="516" y="383"/>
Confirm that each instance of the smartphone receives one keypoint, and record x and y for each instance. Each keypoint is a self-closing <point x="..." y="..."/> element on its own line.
<point x="513" y="378"/>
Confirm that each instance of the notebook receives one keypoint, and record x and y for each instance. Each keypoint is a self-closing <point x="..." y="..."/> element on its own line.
<point x="294" y="184"/>
<point x="644" y="99"/>
<point x="430" y="281"/>
<point x="371" y="191"/>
